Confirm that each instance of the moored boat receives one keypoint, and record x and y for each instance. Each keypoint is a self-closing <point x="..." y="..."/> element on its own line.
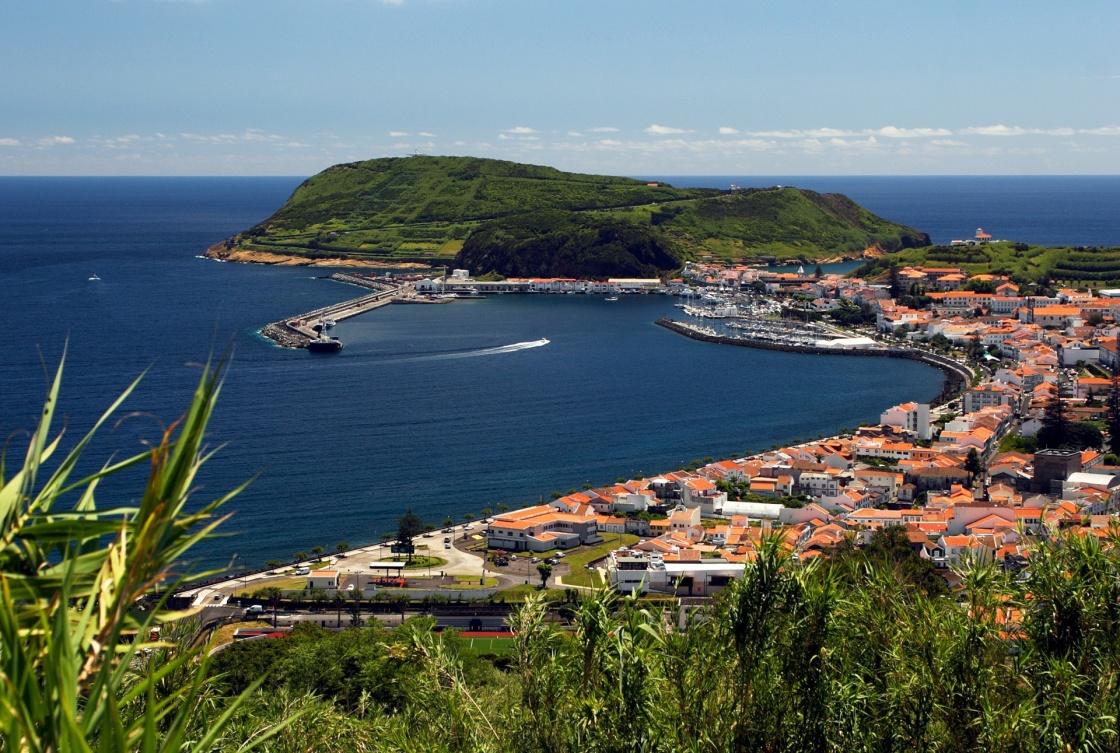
<point x="324" y="344"/>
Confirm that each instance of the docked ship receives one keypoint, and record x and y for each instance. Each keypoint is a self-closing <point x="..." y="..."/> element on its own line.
<point x="324" y="344"/>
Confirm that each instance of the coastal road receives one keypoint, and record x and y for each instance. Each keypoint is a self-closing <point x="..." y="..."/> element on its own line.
<point x="459" y="562"/>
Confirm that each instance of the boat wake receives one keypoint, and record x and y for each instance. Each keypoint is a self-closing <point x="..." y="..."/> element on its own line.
<point x="512" y="348"/>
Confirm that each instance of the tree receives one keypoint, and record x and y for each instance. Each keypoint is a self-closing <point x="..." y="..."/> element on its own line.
<point x="355" y="608"/>
<point x="487" y="512"/>
<point x="973" y="465"/>
<point x="317" y="552"/>
<point x="339" y="600"/>
<point x="448" y="522"/>
<point x="409" y="526"/>
<point x="818" y="272"/>
<point x="1055" y="423"/>
<point x="975" y="349"/>
<point x="545" y="570"/>
<point x="502" y="508"/>
<point x="894" y="281"/>
<point x="940" y="342"/>
<point x="342" y="546"/>
<point x="300" y="556"/>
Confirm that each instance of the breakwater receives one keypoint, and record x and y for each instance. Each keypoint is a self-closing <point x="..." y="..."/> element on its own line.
<point x="958" y="377"/>
<point x="298" y="331"/>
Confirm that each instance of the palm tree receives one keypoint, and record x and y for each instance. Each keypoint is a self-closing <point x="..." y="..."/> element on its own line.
<point x="448" y="522"/>
<point x="502" y="508"/>
<point x="342" y="546"/>
<point x="317" y="552"/>
<point x="487" y="512"/>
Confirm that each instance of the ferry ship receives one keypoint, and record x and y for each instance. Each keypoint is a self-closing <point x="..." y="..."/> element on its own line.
<point x="324" y="344"/>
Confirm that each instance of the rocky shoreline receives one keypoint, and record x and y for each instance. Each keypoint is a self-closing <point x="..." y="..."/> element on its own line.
<point x="284" y="336"/>
<point x="225" y="252"/>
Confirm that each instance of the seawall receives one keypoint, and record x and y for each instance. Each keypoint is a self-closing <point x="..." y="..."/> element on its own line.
<point x="957" y="376"/>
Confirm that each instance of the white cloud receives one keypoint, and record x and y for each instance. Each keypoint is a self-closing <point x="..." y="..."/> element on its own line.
<point x="604" y="129"/>
<point x="398" y="134"/>
<point x="55" y="140"/>
<point x="993" y="130"/>
<point x="812" y="133"/>
<point x="660" y="130"/>
<point x="575" y="134"/>
<point x="947" y="142"/>
<point x="1102" y="131"/>
<point x="728" y="131"/>
<point x="893" y="132"/>
<point x="426" y="135"/>
<point x="869" y="143"/>
<point x="9" y="142"/>
<point x="520" y="129"/>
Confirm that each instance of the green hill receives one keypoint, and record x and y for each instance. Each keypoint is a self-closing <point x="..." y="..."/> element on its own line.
<point x="1022" y="262"/>
<point x="491" y="215"/>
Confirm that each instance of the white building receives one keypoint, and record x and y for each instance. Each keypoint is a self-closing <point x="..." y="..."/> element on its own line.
<point x="912" y="417"/>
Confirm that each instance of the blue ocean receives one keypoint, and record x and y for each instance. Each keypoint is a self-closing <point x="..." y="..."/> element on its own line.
<point x="444" y="409"/>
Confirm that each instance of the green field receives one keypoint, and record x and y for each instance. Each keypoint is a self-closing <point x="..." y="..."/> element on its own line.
<point x="1023" y="263"/>
<point x="578" y="561"/>
<point x="497" y="646"/>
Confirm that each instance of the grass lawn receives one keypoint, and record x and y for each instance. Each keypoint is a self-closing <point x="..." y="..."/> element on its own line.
<point x="577" y="561"/>
<point x="463" y="582"/>
<point x="284" y="584"/>
<point x="420" y="562"/>
<point x="498" y="646"/>
<point x="224" y="634"/>
<point x="583" y="577"/>
<point x="517" y="594"/>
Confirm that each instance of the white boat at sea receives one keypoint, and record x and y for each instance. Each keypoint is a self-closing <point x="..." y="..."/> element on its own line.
<point x="94" y="278"/>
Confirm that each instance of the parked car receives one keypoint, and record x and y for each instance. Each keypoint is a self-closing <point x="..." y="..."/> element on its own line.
<point x="447" y="545"/>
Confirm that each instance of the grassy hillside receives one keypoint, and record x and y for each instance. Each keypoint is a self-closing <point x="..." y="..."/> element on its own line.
<point x="567" y="244"/>
<point x="426" y="208"/>
<point x="1072" y="266"/>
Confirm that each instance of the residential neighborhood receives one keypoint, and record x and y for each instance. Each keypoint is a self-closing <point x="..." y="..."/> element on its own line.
<point x="968" y="481"/>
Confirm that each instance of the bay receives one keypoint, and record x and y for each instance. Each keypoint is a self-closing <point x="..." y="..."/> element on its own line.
<point x="433" y="407"/>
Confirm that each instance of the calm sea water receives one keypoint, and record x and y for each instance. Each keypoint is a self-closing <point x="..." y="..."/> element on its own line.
<point x="439" y="408"/>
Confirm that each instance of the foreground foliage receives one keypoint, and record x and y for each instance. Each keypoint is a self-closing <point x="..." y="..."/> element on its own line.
<point x="81" y="666"/>
<point x="853" y="655"/>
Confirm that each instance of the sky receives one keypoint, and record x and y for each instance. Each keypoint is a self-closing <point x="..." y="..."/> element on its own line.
<point x="624" y="87"/>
